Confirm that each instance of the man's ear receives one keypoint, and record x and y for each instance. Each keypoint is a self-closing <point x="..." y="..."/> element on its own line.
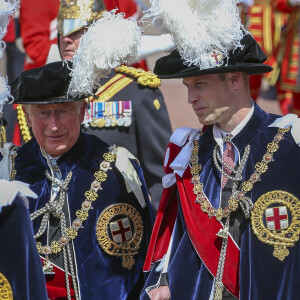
<point x="235" y="79"/>
<point x="27" y="115"/>
<point x="82" y="111"/>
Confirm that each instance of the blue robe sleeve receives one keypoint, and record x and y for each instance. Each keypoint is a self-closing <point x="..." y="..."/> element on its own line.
<point x="20" y="264"/>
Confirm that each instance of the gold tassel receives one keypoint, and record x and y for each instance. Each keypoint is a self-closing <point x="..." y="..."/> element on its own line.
<point x="2" y="135"/>
<point x="23" y="124"/>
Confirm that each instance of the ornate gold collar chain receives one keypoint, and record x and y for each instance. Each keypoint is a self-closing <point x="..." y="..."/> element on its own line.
<point x="82" y="214"/>
<point x="68" y="234"/>
<point x="239" y="197"/>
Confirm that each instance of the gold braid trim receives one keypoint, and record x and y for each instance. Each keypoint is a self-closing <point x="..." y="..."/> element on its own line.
<point x="145" y="78"/>
<point x="2" y="136"/>
<point x="23" y="124"/>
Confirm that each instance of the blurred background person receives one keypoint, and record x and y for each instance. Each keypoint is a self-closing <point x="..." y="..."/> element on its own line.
<point x="39" y="33"/>
<point x="13" y="66"/>
<point x="288" y="54"/>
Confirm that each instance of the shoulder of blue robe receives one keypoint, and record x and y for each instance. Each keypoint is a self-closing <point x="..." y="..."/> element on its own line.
<point x="20" y="265"/>
<point x="289" y="121"/>
<point x="133" y="183"/>
<point x="180" y="141"/>
<point x="10" y="188"/>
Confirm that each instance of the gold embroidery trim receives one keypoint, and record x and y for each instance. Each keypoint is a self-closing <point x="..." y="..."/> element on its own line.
<point x="279" y="239"/>
<point x="267" y="35"/>
<point x="5" y="288"/>
<point x="127" y="249"/>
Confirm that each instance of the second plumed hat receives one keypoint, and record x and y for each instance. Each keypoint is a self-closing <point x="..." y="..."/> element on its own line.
<point x="209" y="38"/>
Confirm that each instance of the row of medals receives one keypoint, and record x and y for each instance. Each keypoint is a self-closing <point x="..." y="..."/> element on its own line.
<point x="111" y="121"/>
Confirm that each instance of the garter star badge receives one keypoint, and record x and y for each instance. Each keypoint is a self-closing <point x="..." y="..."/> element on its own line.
<point x="5" y="288"/>
<point x="119" y="232"/>
<point x="275" y="220"/>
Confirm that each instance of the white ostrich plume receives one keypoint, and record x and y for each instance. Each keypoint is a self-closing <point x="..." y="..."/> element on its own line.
<point x="6" y="9"/>
<point x="4" y="92"/>
<point x="108" y="43"/>
<point x="199" y="27"/>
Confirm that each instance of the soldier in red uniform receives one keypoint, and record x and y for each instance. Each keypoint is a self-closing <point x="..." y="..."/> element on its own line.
<point x="38" y="31"/>
<point x="288" y="54"/>
<point x="265" y="25"/>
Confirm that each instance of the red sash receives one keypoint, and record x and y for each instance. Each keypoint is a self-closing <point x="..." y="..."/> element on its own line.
<point x="163" y="227"/>
<point x="202" y="231"/>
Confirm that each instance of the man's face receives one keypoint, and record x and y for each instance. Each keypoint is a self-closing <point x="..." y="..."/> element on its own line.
<point x="56" y="127"/>
<point x="68" y="44"/>
<point x="210" y="97"/>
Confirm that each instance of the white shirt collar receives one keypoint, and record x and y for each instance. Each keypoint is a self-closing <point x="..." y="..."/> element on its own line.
<point x="219" y="134"/>
<point x="49" y="158"/>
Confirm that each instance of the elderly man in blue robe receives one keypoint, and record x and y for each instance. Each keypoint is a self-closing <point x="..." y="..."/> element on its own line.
<point x="228" y="222"/>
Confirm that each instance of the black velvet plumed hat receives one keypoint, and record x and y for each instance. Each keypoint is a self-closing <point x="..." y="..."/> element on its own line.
<point x="248" y="59"/>
<point x="45" y="85"/>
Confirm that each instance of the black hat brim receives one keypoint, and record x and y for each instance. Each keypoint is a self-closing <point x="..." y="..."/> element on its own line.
<point x="248" y="59"/>
<point x="45" y="85"/>
<point x="49" y="101"/>
<point x="250" y="69"/>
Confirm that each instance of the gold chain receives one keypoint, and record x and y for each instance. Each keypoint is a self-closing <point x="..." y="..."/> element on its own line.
<point x="234" y="201"/>
<point x="90" y="196"/>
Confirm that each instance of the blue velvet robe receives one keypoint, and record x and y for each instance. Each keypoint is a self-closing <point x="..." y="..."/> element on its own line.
<point x="100" y="275"/>
<point x="20" y="263"/>
<point x="262" y="276"/>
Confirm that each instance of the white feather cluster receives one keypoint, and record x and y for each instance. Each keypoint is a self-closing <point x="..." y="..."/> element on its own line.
<point x="6" y="10"/>
<point x="199" y="27"/>
<point x="108" y="43"/>
<point x="4" y="93"/>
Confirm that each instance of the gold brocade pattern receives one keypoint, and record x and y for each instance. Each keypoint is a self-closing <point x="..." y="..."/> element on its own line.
<point x="282" y="238"/>
<point x="5" y="288"/>
<point x="23" y="124"/>
<point x="144" y="78"/>
<point x="126" y="249"/>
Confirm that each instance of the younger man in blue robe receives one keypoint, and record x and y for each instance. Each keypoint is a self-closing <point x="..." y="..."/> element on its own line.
<point x="228" y="222"/>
